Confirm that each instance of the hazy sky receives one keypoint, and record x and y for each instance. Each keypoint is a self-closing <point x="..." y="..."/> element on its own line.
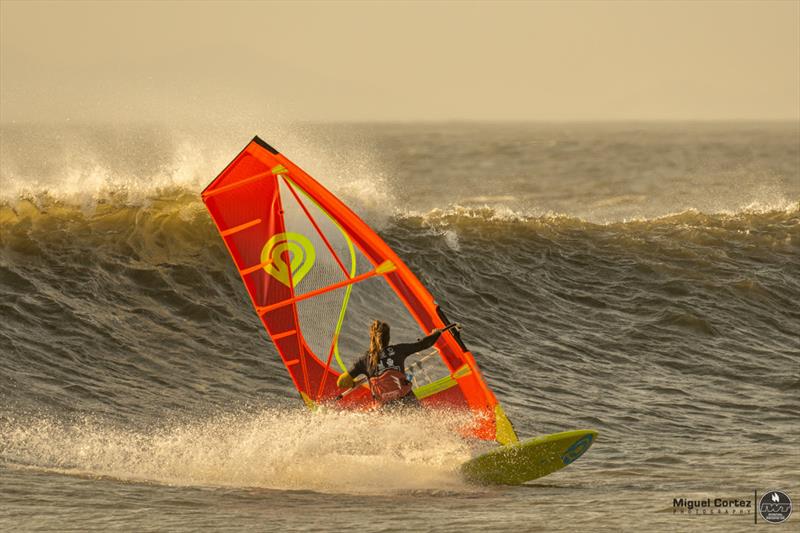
<point x="117" y="61"/>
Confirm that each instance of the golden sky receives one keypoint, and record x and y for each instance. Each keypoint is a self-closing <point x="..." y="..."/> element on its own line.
<point x="409" y="61"/>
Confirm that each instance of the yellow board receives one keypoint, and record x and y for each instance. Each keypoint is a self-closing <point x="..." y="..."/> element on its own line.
<point x="524" y="461"/>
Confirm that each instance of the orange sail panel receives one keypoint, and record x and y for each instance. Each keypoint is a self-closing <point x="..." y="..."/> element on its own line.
<point x="318" y="275"/>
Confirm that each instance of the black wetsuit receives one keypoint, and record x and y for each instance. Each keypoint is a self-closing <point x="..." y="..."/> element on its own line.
<point x="393" y="357"/>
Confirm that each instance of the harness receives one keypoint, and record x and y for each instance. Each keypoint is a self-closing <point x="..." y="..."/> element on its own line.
<point x="390" y="383"/>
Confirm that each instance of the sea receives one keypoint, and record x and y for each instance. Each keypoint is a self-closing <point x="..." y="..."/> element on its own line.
<point x="639" y="279"/>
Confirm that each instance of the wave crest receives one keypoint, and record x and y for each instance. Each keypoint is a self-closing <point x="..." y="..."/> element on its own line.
<point x="457" y="215"/>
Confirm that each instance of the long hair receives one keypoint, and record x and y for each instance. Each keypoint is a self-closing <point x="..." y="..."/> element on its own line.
<point x="378" y="341"/>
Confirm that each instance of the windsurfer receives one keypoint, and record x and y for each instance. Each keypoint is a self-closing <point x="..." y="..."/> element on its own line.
<point x="384" y="365"/>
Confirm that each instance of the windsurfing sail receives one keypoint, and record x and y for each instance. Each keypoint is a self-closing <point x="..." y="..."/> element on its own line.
<point x="318" y="275"/>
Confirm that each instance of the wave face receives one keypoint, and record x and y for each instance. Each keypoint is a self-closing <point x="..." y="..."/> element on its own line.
<point x="641" y="280"/>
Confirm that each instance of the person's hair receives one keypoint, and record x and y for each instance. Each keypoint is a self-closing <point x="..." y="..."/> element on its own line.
<point x="378" y="341"/>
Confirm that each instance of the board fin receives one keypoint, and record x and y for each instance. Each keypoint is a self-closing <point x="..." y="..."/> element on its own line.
<point x="504" y="431"/>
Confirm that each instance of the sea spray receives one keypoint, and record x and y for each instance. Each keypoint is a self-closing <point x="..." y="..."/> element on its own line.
<point x="291" y="449"/>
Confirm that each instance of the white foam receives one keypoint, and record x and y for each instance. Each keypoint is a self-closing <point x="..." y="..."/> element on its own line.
<point x="442" y="218"/>
<point x="332" y="451"/>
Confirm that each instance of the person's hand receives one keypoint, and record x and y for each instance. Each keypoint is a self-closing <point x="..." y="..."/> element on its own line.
<point x="345" y="381"/>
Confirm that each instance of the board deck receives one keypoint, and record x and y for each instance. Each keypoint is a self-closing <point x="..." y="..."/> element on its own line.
<point x="527" y="460"/>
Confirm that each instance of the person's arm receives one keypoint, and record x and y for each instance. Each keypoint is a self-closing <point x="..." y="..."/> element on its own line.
<point x="404" y="350"/>
<point x="346" y="380"/>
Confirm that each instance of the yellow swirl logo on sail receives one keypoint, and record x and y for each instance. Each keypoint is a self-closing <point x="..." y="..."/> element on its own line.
<point x="301" y="257"/>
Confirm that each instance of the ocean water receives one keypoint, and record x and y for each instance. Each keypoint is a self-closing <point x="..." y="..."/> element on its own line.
<point x="638" y="279"/>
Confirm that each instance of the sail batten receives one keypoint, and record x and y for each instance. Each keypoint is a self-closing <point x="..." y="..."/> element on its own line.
<point x="317" y="292"/>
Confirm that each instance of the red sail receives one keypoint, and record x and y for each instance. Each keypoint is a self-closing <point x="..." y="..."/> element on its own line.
<point x="318" y="275"/>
